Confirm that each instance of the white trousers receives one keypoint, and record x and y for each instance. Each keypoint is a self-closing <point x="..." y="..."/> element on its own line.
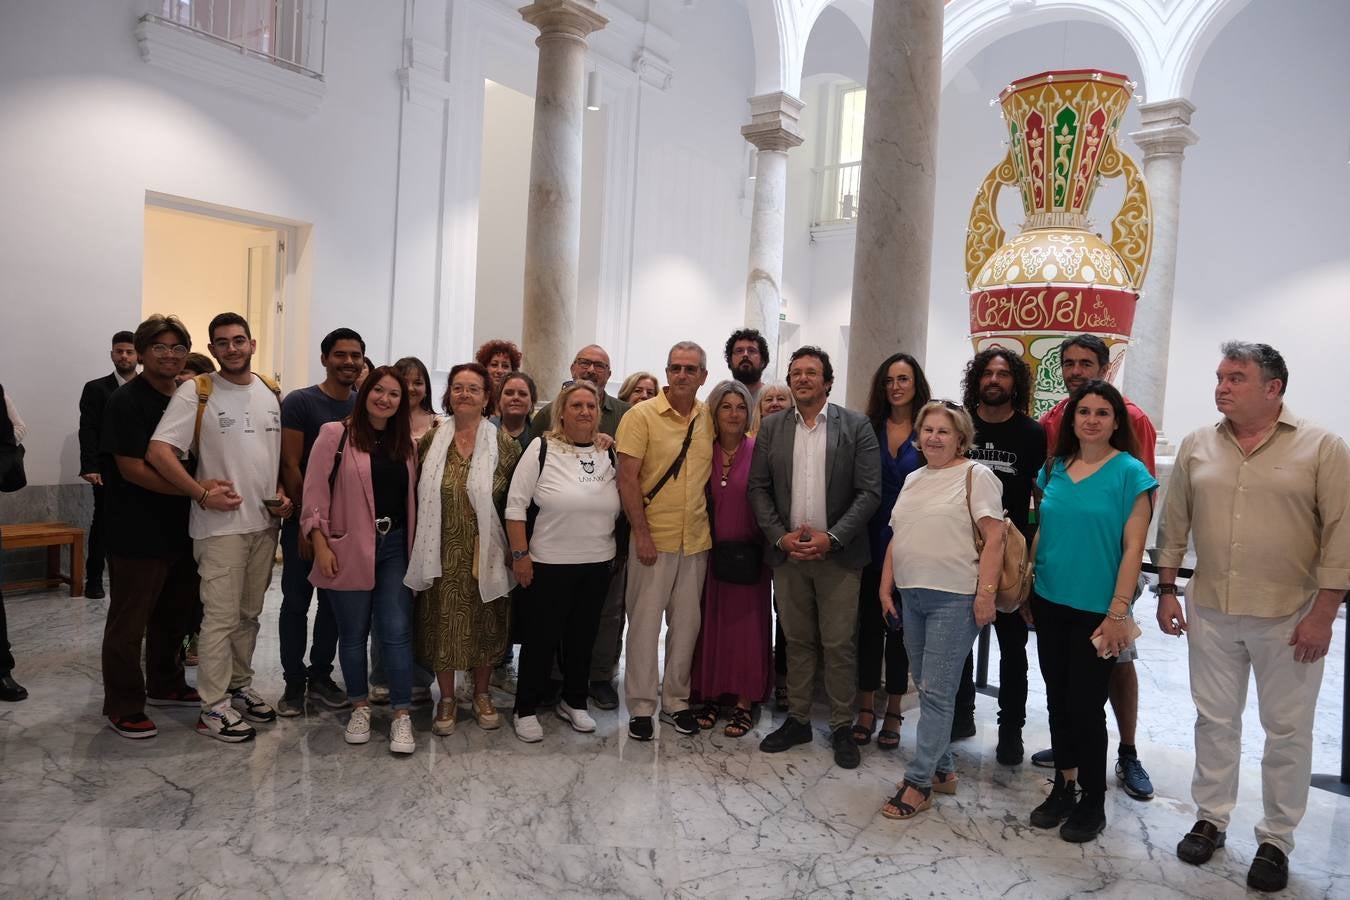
<point x="1224" y="650"/>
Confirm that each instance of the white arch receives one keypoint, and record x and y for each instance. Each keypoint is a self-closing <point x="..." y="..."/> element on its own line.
<point x="1197" y="24"/>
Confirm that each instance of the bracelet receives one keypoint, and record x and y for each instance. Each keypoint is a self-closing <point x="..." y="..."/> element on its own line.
<point x="1121" y="597"/>
<point x="206" y="492"/>
<point x="1117" y="618"/>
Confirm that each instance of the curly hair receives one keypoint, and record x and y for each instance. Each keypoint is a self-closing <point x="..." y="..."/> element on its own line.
<point x="1021" y="373"/>
<point x="491" y="348"/>
<point x="747" y="334"/>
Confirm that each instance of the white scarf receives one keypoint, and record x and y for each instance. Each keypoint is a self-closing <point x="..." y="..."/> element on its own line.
<point x="424" y="564"/>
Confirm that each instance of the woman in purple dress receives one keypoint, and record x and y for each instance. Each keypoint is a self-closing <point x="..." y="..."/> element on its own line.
<point x="734" y="655"/>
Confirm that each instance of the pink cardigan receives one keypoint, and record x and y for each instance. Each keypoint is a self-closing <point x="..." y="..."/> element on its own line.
<point x="348" y="522"/>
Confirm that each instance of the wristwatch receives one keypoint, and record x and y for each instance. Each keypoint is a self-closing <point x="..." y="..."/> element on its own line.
<point x="835" y="544"/>
<point x="518" y="555"/>
<point x="1164" y="589"/>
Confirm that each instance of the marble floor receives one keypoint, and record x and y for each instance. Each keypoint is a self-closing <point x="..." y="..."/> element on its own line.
<point x="298" y="813"/>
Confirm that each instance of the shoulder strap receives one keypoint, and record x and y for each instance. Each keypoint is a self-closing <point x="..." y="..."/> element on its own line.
<point x="271" y="385"/>
<point x="543" y="452"/>
<point x="674" y="470"/>
<point x="974" y="528"/>
<point x="204" y="386"/>
<point x="337" y="461"/>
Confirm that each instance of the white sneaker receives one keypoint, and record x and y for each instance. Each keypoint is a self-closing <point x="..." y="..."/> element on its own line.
<point x="358" y="726"/>
<point x="224" y="723"/>
<point x="401" y="739"/>
<point x="579" y="718"/>
<point x="251" y="705"/>
<point x="528" y="729"/>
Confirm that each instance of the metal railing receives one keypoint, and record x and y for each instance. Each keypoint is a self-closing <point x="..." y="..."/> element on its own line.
<point x="289" y="33"/>
<point x="837" y="193"/>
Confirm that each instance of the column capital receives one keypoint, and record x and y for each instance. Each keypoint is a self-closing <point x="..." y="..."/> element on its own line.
<point x="774" y="120"/>
<point x="1166" y="128"/>
<point x="568" y="18"/>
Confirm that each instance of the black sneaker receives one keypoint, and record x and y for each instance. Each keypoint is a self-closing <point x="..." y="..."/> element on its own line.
<point x="603" y="695"/>
<point x="1009" y="751"/>
<point x="325" y="691"/>
<point x="1087" y="820"/>
<point x="93" y="591"/>
<point x="640" y="728"/>
<point x="1058" y="806"/>
<point x="1043" y="759"/>
<point x="1134" y="777"/>
<point x="846" y="752"/>
<point x="135" y="727"/>
<point x="963" y="727"/>
<point x="682" y="721"/>
<point x="292" y="702"/>
<point x="788" y="735"/>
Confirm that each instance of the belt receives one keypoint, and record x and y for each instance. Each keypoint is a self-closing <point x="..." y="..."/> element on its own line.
<point x="385" y="524"/>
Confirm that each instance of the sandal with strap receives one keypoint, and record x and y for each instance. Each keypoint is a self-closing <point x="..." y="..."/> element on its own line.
<point x="897" y="808"/>
<point x="863" y="736"/>
<point x="707" y="716"/>
<point x="739" y="723"/>
<point x="889" y="738"/>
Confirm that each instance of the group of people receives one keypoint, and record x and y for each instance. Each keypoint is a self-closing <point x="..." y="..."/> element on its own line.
<point x="579" y="529"/>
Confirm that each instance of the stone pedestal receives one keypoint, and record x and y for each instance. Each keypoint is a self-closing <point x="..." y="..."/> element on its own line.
<point x="553" y="223"/>
<point x="773" y="130"/>
<point x="893" y="259"/>
<point x="1164" y="136"/>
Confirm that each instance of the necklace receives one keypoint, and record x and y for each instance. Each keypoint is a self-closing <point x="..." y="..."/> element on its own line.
<point x="727" y="460"/>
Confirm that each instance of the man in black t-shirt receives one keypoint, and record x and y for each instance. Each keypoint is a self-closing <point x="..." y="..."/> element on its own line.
<point x="303" y="413"/>
<point x="153" y="582"/>
<point x="997" y="391"/>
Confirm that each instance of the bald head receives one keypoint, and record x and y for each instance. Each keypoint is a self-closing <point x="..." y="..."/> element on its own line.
<point x="591" y="364"/>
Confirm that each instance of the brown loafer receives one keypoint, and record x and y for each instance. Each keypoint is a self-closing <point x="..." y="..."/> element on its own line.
<point x="1200" y="843"/>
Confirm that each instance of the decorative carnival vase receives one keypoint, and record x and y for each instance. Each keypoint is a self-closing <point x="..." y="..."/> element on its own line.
<point x="1058" y="278"/>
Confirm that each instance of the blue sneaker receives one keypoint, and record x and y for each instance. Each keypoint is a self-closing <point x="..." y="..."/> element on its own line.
<point x="1133" y="777"/>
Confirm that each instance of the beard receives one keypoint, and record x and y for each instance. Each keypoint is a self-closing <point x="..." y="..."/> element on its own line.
<point x="993" y="395"/>
<point x="746" y="374"/>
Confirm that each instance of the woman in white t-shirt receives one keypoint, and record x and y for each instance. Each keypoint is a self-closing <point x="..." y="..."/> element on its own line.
<point x="933" y="562"/>
<point x="564" y="561"/>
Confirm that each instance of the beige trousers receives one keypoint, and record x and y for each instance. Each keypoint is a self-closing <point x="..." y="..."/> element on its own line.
<point x="1224" y="650"/>
<point x="672" y="589"/>
<point x="818" y="609"/>
<point x="235" y="570"/>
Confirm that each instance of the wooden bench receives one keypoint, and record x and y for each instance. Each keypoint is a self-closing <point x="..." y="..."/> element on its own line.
<point x="53" y="536"/>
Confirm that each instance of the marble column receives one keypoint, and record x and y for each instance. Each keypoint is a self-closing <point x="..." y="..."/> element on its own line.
<point x="893" y="256"/>
<point x="773" y="130"/>
<point x="553" y="223"/>
<point x="1164" y="136"/>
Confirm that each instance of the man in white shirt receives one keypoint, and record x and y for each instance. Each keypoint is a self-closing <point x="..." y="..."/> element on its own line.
<point x="236" y="438"/>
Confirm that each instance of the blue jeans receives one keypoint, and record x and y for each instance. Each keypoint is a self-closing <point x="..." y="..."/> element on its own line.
<point x="293" y="623"/>
<point x="391" y="604"/>
<point x="939" y="630"/>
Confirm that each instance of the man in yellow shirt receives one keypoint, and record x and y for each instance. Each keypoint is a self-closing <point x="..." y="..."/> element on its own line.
<point x="665" y="448"/>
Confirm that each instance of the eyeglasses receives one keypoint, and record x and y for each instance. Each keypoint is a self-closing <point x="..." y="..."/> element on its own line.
<point x="166" y="350"/>
<point x="238" y="342"/>
<point x="460" y="390"/>
<point x="745" y="351"/>
<point x="596" y="364"/>
<point x="676" y="369"/>
<point x="955" y="407"/>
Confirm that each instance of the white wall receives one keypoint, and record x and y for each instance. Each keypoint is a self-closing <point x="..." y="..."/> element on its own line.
<point x="508" y="123"/>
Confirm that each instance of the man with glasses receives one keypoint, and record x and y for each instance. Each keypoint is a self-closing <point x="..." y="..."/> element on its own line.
<point x="235" y="433"/>
<point x="592" y="364"/>
<point x="815" y="480"/>
<point x="93" y="400"/>
<point x="154" y="579"/>
<point x="665" y="450"/>
<point x="747" y="355"/>
<point x="303" y="412"/>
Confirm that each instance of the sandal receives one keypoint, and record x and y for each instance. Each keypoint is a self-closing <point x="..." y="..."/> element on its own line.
<point x="863" y="736"/>
<point x="707" y="716"/>
<point x="903" y="810"/>
<point x="889" y="738"/>
<point x="739" y="722"/>
<point x="945" y="782"/>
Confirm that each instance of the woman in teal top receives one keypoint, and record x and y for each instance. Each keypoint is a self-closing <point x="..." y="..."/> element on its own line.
<point x="1094" y="515"/>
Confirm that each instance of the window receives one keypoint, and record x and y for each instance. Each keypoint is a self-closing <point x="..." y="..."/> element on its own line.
<point x="287" y="32"/>
<point x="838" y="179"/>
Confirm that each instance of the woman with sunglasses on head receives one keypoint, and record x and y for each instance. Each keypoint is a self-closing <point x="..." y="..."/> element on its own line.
<point x="947" y="587"/>
<point x="360" y="512"/>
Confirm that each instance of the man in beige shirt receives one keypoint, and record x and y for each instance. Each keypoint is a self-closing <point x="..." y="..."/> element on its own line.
<point x="665" y="448"/>
<point x="1266" y="496"/>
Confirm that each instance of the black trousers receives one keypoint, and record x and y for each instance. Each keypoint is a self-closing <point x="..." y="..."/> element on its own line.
<point x="6" y="657"/>
<point x="876" y="642"/>
<point x="97" y="548"/>
<point x="562" y="614"/>
<point x="150" y="601"/>
<point x="1012" y="674"/>
<point x="1076" y="681"/>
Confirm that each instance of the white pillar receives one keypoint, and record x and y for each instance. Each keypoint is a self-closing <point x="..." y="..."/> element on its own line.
<point x="1164" y="137"/>
<point x="553" y="223"/>
<point x="773" y="131"/>
<point x="893" y="258"/>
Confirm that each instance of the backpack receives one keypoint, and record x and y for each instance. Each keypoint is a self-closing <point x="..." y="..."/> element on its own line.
<point x="1014" y="579"/>
<point x="204" y="386"/>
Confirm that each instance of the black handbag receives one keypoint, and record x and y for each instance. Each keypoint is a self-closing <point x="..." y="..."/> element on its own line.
<point x="12" y="476"/>
<point x="734" y="562"/>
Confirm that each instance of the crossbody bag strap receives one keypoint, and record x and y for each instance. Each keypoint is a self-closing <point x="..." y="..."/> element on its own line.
<point x="675" y="467"/>
<point x="337" y="461"/>
<point x="974" y="528"/>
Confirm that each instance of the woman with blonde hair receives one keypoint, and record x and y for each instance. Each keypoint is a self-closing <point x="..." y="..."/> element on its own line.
<point x="638" y="387"/>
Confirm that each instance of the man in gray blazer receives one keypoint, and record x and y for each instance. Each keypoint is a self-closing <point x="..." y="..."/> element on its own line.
<point x="815" y="479"/>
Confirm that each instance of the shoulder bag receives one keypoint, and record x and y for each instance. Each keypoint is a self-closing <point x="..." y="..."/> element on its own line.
<point x="1014" y="579"/>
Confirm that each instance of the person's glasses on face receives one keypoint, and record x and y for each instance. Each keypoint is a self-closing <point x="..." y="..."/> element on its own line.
<point x="745" y="351"/>
<point x="466" y="390"/>
<point x="584" y="364"/>
<point x="676" y="369"/>
<point x="166" y="350"/>
<point x="238" y="342"/>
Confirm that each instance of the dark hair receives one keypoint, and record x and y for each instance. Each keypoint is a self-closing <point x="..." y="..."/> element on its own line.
<point x="879" y="405"/>
<point x="412" y="362"/>
<point x="1122" y="438"/>
<point x="340" y="334"/>
<point x="1266" y="357"/>
<point x="491" y="348"/>
<point x="154" y="326"/>
<point x="1021" y="373"/>
<point x="517" y="376"/>
<point x="199" y="364"/>
<point x="479" y="370"/>
<point x="811" y="350"/>
<point x="747" y="334"/>
<point x="1087" y="342"/>
<point x="227" y="318"/>
<point x="399" y="428"/>
<point x="124" y="337"/>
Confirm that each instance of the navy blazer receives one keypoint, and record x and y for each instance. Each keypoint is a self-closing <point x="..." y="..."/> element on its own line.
<point x="853" y="481"/>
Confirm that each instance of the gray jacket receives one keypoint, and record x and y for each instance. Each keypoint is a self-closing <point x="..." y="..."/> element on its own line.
<point x="852" y="472"/>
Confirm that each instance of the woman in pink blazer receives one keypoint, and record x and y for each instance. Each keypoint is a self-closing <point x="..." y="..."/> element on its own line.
<point x="359" y="510"/>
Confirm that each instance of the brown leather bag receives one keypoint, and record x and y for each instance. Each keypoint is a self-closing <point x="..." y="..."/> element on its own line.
<point x="1014" y="580"/>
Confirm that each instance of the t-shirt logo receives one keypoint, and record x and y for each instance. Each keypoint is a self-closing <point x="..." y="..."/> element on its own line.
<point x="587" y="465"/>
